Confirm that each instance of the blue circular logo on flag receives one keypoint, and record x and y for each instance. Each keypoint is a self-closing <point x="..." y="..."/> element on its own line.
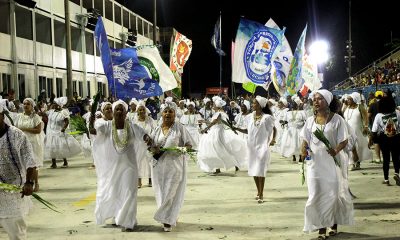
<point x="257" y="56"/>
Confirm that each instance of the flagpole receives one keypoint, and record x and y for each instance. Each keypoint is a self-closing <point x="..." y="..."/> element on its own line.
<point x="220" y="55"/>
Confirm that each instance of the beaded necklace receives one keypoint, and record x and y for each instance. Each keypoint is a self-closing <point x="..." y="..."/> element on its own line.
<point x="257" y="119"/>
<point x="120" y="144"/>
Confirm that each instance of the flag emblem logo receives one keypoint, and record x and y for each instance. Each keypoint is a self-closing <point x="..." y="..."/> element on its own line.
<point x="258" y="55"/>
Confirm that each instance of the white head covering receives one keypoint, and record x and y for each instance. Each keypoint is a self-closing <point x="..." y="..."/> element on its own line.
<point x="168" y="103"/>
<point x="356" y="97"/>
<point x="344" y="97"/>
<point x="182" y="101"/>
<point x="271" y="100"/>
<point x="247" y="104"/>
<point x="328" y="96"/>
<point x="219" y="102"/>
<point x="283" y="100"/>
<point x="31" y="101"/>
<point x="142" y="103"/>
<point x="262" y="101"/>
<point x="91" y="102"/>
<point x="190" y="103"/>
<point x="120" y="102"/>
<point x="98" y="113"/>
<point x="311" y="95"/>
<point x="206" y="100"/>
<point x="61" y="101"/>
<point x="133" y="100"/>
<point x="103" y="105"/>
<point x="214" y="98"/>
<point x="297" y="100"/>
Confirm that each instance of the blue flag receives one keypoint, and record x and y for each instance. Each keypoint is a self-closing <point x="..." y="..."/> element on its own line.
<point x="216" y="38"/>
<point x="102" y="44"/>
<point x="131" y="78"/>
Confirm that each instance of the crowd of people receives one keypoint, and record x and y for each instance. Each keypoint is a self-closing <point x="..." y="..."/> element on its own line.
<point x="128" y="143"/>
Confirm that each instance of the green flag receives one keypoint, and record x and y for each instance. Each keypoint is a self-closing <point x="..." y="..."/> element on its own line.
<point x="250" y="87"/>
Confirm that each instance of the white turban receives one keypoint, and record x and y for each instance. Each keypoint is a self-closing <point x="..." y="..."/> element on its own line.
<point x="182" y="101"/>
<point x="262" y="101"/>
<point x="271" y="100"/>
<point x="61" y="101"/>
<point x="297" y="100"/>
<point x="169" y="103"/>
<point x="103" y="105"/>
<point x="328" y="96"/>
<point x="283" y="100"/>
<point x="190" y="103"/>
<point x="120" y="102"/>
<point x="31" y="101"/>
<point x="215" y="98"/>
<point x="142" y="103"/>
<point x="206" y="100"/>
<point x="356" y="97"/>
<point x="219" y="103"/>
<point x="247" y="104"/>
<point x="133" y="100"/>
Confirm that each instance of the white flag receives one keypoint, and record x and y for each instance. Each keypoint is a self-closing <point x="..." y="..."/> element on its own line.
<point x="150" y="58"/>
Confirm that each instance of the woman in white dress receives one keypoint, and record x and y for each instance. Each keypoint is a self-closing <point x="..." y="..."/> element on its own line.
<point x="148" y="124"/>
<point x="59" y="144"/>
<point x="31" y="124"/>
<point x="241" y="118"/>
<point x="261" y="134"/>
<point x="170" y="170"/>
<point x="356" y="116"/>
<point x="329" y="201"/>
<point x="117" y="147"/>
<point x="132" y="114"/>
<point x="279" y="115"/>
<point x="220" y="148"/>
<point x="191" y="121"/>
<point x="294" y="119"/>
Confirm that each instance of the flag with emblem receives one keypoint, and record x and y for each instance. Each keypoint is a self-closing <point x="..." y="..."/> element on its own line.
<point x="150" y="58"/>
<point x="256" y="47"/>
<point x="216" y="37"/>
<point x="131" y="79"/>
<point x="181" y="47"/>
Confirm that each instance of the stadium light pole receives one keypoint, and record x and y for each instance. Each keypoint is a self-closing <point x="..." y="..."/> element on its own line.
<point x="155" y="22"/>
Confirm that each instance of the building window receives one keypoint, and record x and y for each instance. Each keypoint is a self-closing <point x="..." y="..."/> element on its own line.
<point x="110" y="43"/>
<point x="88" y="88"/>
<point x="98" y="5"/>
<point x="50" y="87"/>
<point x="89" y="39"/>
<point x="23" y="22"/>
<point x="6" y="81"/>
<point x="140" y="28"/>
<point x="43" y="29"/>
<point x="74" y="87"/>
<point x="151" y="32"/>
<point x="77" y="2"/>
<point x="146" y="29"/>
<point x="117" y="14"/>
<point x="133" y="22"/>
<point x="76" y="40"/>
<point x="109" y="10"/>
<point x="118" y="45"/>
<point x="88" y="3"/>
<point x="21" y="86"/>
<point x="80" y="88"/>
<point x="42" y="84"/>
<point x="5" y="17"/>
<point x="59" y="87"/>
<point x="59" y="34"/>
<point x="126" y="19"/>
<point x="101" y="87"/>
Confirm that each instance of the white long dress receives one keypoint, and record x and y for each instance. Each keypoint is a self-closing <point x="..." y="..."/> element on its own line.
<point x="59" y="144"/>
<point x="169" y="174"/>
<point x="329" y="201"/>
<point x="241" y="122"/>
<point x="117" y="174"/>
<point x="36" y="140"/>
<point x="353" y="118"/>
<point x="290" y="143"/>
<point x="221" y="148"/>
<point x="279" y="115"/>
<point x="190" y="121"/>
<point x="144" y="163"/>
<point x="260" y="135"/>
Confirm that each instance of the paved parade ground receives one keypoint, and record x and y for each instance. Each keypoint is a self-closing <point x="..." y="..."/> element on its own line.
<point x="216" y="207"/>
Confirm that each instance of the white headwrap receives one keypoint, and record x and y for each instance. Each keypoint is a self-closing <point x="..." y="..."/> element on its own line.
<point x="182" y="101"/>
<point x="142" y="103"/>
<point x="356" y="97"/>
<point x="247" y="104"/>
<point x="120" y="102"/>
<point x="283" y="100"/>
<point x="297" y="100"/>
<point x="206" y="100"/>
<point x="328" y="96"/>
<point x="168" y="103"/>
<point x="31" y="101"/>
<point x="262" y="101"/>
<point x="271" y="100"/>
<point x="190" y="103"/>
<point x="214" y="98"/>
<point x="61" y="101"/>
<point x="103" y="105"/>
<point x="133" y="100"/>
<point x="344" y="97"/>
<point x="98" y="113"/>
<point x="91" y="102"/>
<point x="219" y="103"/>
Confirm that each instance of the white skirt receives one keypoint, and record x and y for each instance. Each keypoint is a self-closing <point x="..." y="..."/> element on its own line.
<point x="60" y="145"/>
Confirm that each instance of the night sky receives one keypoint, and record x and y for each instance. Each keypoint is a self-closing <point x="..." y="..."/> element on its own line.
<point x="328" y="20"/>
